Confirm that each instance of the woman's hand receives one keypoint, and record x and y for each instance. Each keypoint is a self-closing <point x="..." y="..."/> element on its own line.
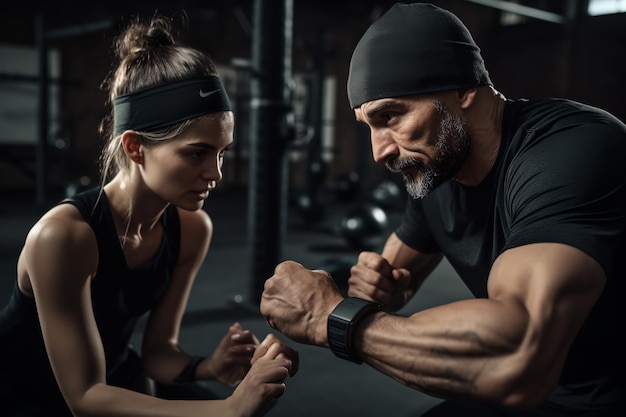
<point x="264" y="383"/>
<point x="230" y="360"/>
<point x="284" y="351"/>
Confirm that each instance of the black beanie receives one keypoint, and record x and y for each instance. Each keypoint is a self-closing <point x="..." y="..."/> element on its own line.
<point x="414" y="48"/>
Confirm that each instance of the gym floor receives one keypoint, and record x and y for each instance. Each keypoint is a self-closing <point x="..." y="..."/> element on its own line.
<point x="324" y="385"/>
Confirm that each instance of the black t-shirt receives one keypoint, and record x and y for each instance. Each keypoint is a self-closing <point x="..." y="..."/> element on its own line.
<point x="559" y="177"/>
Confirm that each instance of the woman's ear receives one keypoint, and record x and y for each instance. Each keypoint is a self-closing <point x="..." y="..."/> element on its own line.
<point x="131" y="142"/>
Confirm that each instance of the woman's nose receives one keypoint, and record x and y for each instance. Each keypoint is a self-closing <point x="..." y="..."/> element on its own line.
<point x="214" y="170"/>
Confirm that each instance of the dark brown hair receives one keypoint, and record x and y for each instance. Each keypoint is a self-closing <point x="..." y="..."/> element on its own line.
<point x="146" y="55"/>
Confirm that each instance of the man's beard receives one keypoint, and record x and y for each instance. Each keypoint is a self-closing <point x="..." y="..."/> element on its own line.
<point x="453" y="144"/>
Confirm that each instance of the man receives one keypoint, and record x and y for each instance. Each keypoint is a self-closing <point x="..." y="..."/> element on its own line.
<point x="525" y="200"/>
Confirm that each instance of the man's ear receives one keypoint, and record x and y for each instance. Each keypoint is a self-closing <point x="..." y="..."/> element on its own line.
<point x="131" y="142"/>
<point x="466" y="97"/>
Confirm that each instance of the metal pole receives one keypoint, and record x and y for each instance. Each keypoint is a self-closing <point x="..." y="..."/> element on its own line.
<point x="316" y="166"/>
<point x="271" y="130"/>
<point x="43" y="115"/>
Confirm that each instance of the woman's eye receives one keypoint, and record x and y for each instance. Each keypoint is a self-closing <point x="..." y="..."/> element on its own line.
<point x="198" y="155"/>
<point x="223" y="152"/>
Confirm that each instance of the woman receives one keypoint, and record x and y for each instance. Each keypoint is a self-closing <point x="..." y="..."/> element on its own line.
<point x="95" y="263"/>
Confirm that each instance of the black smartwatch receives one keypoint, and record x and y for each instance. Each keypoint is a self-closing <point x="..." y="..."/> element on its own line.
<point x="342" y="322"/>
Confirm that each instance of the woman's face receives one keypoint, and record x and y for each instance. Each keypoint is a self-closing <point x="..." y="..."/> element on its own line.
<point x="184" y="170"/>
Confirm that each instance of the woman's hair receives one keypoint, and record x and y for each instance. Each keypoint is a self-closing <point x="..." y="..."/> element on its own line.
<point x="147" y="55"/>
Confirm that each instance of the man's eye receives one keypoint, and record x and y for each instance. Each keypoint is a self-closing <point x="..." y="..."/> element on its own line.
<point x="387" y="116"/>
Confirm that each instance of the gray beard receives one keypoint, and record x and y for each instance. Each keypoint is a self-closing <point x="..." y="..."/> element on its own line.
<point x="422" y="186"/>
<point x="452" y="144"/>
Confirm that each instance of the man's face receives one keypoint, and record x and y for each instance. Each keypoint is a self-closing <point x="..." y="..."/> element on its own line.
<point x="417" y="137"/>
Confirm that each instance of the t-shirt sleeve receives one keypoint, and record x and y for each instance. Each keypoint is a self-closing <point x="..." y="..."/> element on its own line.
<point x="570" y="189"/>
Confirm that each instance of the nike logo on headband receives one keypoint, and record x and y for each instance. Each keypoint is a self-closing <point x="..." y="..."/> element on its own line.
<point x="203" y="94"/>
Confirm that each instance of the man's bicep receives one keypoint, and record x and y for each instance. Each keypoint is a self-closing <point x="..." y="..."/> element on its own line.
<point x="557" y="285"/>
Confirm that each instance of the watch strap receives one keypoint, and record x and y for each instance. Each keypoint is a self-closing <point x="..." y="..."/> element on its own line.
<point x="341" y="325"/>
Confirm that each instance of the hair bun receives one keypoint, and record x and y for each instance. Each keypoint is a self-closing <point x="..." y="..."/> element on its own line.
<point x="141" y="37"/>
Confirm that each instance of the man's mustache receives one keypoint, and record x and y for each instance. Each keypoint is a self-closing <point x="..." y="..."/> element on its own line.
<point x="398" y="164"/>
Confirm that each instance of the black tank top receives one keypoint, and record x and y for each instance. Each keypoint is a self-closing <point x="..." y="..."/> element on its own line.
<point x="120" y="297"/>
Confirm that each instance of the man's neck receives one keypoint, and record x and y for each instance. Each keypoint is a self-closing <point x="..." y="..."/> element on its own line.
<point x="484" y="123"/>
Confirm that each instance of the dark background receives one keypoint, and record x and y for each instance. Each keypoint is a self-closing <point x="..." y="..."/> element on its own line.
<point x="570" y="55"/>
<point x="581" y="57"/>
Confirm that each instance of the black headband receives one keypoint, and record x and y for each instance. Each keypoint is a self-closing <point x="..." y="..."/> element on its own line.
<point x="170" y="103"/>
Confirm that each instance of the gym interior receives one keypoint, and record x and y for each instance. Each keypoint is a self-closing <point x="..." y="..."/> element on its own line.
<point x="327" y="198"/>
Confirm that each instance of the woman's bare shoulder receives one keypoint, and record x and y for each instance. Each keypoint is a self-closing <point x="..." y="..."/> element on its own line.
<point x="59" y="246"/>
<point x="61" y="233"/>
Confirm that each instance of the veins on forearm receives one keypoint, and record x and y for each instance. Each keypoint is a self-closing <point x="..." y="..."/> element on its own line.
<point x="452" y="368"/>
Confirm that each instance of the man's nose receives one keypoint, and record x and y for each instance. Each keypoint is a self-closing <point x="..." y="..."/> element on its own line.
<point x="383" y="146"/>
